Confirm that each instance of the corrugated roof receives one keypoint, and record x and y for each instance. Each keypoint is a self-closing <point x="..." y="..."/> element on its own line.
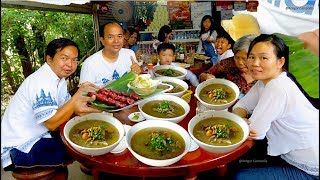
<point x="35" y="5"/>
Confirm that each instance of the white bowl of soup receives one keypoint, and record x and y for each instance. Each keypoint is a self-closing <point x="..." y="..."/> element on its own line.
<point x="179" y="86"/>
<point x="94" y="134"/>
<point x="217" y="94"/>
<point x="158" y="143"/>
<point x="218" y="131"/>
<point x="164" y="107"/>
<point x="170" y="71"/>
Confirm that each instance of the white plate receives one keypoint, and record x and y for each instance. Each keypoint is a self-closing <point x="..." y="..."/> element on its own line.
<point x="140" y="117"/>
<point x="183" y="65"/>
<point x="122" y="144"/>
<point x="202" y="57"/>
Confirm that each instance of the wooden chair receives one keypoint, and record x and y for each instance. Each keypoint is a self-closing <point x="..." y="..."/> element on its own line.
<point x="49" y="173"/>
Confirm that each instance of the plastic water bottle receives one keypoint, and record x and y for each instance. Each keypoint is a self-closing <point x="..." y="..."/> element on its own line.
<point x="150" y="67"/>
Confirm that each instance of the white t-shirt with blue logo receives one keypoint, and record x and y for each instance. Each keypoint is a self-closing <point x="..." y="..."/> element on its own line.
<point x="97" y="70"/>
<point x="289" y="17"/>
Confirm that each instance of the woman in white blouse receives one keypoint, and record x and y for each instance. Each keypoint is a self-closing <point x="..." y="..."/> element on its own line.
<point x="279" y="111"/>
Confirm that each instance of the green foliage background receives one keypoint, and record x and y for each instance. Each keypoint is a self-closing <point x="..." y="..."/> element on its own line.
<point x="303" y="64"/>
<point x="29" y="24"/>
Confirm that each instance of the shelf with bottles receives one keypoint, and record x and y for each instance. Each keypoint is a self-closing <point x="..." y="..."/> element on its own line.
<point x="180" y="35"/>
<point x="176" y="30"/>
<point x="173" y="41"/>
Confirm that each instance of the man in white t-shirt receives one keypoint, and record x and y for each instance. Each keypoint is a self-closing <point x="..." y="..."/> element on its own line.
<point x="113" y="61"/>
<point x="41" y="104"/>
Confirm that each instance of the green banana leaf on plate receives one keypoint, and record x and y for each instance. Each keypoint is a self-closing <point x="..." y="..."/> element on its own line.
<point x="120" y="85"/>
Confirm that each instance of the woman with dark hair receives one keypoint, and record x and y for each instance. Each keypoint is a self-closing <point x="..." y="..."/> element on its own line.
<point x="131" y="37"/>
<point x="279" y="111"/>
<point x="208" y="34"/>
<point x="164" y="35"/>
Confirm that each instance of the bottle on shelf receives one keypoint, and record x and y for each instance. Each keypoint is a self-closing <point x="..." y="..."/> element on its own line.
<point x="181" y="52"/>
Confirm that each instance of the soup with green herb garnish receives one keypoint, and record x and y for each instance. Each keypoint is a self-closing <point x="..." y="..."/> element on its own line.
<point x="218" y="131"/>
<point x="94" y="134"/>
<point x="158" y="143"/>
<point x="217" y="94"/>
<point x="163" y="109"/>
<point x="169" y="72"/>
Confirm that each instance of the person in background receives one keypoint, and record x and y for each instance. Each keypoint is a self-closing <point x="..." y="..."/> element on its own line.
<point x="276" y="108"/>
<point x="224" y="45"/>
<point x="113" y="61"/>
<point x="41" y="104"/>
<point x="126" y="35"/>
<point x="234" y="68"/>
<point x="132" y="42"/>
<point x="164" y="36"/>
<point x="208" y="34"/>
<point x="166" y="55"/>
<point x="141" y="26"/>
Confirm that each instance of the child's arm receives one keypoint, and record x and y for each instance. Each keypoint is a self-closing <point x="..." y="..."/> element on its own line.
<point x="199" y="50"/>
<point x="192" y="78"/>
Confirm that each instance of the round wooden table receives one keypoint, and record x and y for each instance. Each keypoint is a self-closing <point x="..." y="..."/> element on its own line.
<point x="126" y="164"/>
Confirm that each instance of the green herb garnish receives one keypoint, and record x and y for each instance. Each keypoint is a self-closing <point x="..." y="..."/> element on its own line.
<point x="96" y="133"/>
<point x="161" y="142"/>
<point x="135" y="116"/>
<point x="168" y="72"/>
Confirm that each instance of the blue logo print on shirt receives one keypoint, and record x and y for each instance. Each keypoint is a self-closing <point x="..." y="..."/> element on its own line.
<point x="104" y="80"/>
<point x="307" y="8"/>
<point x="115" y="75"/>
<point x="44" y="100"/>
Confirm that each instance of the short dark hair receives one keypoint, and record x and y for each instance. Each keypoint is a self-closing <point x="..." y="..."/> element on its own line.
<point x="227" y="37"/>
<point x="57" y="45"/>
<point x="165" y="46"/>
<point x="101" y="28"/>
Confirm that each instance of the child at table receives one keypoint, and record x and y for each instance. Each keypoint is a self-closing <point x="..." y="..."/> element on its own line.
<point x="166" y="55"/>
<point x="208" y="34"/>
<point x="224" y="45"/>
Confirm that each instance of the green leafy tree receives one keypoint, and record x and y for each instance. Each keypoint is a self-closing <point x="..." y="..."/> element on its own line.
<point x="24" y="36"/>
